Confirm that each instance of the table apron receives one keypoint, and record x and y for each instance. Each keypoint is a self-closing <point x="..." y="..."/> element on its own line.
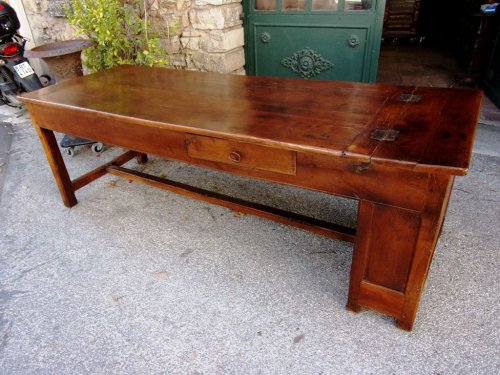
<point x="337" y="175"/>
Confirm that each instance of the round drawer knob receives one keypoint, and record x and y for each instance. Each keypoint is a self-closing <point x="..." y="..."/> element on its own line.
<point x="234" y="156"/>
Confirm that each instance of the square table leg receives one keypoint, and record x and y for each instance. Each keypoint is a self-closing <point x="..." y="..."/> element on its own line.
<point x="393" y="252"/>
<point x="141" y="158"/>
<point x="57" y="165"/>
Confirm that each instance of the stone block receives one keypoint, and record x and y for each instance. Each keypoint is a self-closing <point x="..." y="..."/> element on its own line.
<point x="153" y="6"/>
<point x="216" y="18"/>
<point x="185" y="22"/>
<point x="240" y="72"/>
<point x="190" y="33"/>
<point x="178" y="61"/>
<point x="190" y="39"/>
<point x="218" y="62"/>
<point x="183" y="4"/>
<point x="173" y="45"/>
<point x="222" y="40"/>
<point x="56" y="7"/>
<point x="170" y="6"/>
<point x="192" y="42"/>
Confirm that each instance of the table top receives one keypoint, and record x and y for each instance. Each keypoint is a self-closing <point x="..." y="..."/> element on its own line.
<point x="434" y="127"/>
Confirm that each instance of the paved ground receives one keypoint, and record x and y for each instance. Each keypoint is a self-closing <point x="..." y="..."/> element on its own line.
<point x="134" y="280"/>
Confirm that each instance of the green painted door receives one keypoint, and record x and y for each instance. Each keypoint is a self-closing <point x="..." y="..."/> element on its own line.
<point x="314" y="39"/>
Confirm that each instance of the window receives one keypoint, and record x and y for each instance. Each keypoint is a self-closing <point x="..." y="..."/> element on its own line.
<point x="358" y="4"/>
<point x="324" y="4"/>
<point x="265" y="4"/>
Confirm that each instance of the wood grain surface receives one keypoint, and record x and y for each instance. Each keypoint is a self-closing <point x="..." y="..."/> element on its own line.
<point x="334" y="118"/>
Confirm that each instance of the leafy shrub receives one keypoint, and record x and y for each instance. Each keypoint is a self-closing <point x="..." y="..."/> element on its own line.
<point x="120" y="31"/>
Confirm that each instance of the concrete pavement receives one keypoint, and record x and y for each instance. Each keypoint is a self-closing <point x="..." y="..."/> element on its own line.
<point x="135" y="280"/>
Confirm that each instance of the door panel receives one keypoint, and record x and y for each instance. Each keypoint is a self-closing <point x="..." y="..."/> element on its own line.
<point x="314" y="39"/>
<point x="318" y="52"/>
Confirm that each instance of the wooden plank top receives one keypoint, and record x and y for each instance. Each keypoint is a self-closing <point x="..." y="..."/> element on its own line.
<point x="434" y="134"/>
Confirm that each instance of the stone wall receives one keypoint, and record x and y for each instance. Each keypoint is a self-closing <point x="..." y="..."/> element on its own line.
<point x="214" y="38"/>
<point x="204" y="35"/>
<point x="46" y="22"/>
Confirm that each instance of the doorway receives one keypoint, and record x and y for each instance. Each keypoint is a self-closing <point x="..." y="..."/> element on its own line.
<point x="444" y="43"/>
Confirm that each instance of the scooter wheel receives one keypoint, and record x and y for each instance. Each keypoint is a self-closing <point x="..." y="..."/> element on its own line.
<point x="97" y="147"/>
<point x="45" y="80"/>
<point x="70" y="151"/>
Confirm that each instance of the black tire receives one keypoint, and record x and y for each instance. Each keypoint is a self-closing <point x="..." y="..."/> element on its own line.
<point x="30" y="83"/>
<point x="9" y="88"/>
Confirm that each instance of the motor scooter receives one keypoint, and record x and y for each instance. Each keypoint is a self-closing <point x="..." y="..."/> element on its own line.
<point x="16" y="73"/>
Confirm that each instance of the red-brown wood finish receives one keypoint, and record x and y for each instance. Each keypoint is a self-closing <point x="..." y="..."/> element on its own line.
<point x="318" y="135"/>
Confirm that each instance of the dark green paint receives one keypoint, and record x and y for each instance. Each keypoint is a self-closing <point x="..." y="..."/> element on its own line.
<point x="344" y="45"/>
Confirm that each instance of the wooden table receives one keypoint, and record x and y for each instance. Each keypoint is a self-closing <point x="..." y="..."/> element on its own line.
<point x="395" y="149"/>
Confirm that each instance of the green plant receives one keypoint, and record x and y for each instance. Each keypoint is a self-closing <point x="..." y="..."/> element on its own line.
<point x="120" y="31"/>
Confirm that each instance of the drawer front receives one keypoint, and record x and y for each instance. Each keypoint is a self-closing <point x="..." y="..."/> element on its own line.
<point x="241" y="154"/>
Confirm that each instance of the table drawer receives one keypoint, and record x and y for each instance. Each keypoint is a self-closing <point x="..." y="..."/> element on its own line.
<point x="241" y="154"/>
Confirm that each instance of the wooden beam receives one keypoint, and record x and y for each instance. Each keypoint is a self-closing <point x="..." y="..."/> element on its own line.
<point x="100" y="171"/>
<point x="281" y="216"/>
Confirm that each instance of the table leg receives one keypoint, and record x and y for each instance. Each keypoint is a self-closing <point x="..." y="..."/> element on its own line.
<point x="393" y="251"/>
<point x="57" y="165"/>
<point x="141" y="158"/>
